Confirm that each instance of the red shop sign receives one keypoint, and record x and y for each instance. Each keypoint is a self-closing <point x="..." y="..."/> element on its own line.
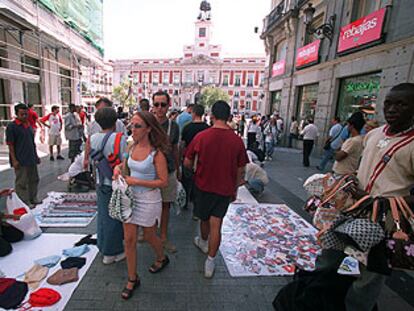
<point x="362" y="31"/>
<point x="278" y="68"/>
<point x="308" y="54"/>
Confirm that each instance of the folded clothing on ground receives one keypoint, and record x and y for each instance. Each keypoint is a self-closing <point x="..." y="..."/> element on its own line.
<point x="86" y="240"/>
<point x="73" y="262"/>
<point x="36" y="274"/>
<point x="63" y="276"/>
<point x="76" y="251"/>
<point x="5" y="283"/>
<point x="13" y="296"/>
<point x="49" y="261"/>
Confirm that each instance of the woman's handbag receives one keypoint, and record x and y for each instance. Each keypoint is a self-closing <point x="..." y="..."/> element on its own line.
<point x="120" y="204"/>
<point x="400" y="244"/>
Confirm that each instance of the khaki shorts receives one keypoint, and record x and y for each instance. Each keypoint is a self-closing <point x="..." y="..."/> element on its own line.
<point x="55" y="140"/>
<point x="169" y="193"/>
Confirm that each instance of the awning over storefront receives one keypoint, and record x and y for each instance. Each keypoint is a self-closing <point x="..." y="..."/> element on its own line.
<point x="18" y="75"/>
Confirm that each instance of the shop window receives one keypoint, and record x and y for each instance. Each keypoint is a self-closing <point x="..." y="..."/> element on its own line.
<point x="276" y="98"/>
<point x="316" y="23"/>
<point x="65" y="87"/>
<point x="358" y="93"/>
<point x="237" y="79"/>
<point x="250" y="78"/>
<point x="31" y="94"/>
<point x="361" y="8"/>
<point x="225" y="80"/>
<point x="279" y="52"/>
<point x="307" y="100"/>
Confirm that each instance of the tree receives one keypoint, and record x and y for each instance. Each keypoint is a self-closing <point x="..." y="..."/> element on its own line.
<point x="122" y="93"/>
<point x="209" y="95"/>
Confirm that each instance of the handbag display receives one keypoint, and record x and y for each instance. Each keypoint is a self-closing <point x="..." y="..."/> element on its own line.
<point x="400" y="244"/>
<point x="120" y="204"/>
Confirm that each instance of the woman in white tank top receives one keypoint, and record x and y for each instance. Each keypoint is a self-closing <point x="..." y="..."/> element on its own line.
<point x="148" y="173"/>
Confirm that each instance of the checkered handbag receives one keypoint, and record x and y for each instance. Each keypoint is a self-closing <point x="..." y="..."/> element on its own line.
<point x="121" y="202"/>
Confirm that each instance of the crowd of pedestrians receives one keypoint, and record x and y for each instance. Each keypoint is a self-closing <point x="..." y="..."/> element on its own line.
<point x="156" y="150"/>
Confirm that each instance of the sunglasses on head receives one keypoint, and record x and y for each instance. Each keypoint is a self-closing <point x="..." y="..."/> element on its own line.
<point x="163" y="105"/>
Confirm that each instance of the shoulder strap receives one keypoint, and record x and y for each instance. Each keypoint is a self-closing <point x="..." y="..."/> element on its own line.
<point x="379" y="168"/>
<point x="105" y="140"/>
<point x="117" y="144"/>
<point x="337" y="135"/>
<point x="169" y="127"/>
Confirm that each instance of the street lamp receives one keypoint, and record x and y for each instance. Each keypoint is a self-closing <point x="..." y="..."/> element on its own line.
<point x="325" y="30"/>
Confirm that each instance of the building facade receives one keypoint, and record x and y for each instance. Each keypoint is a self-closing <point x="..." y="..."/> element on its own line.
<point x="329" y="58"/>
<point x="43" y="57"/>
<point x="201" y="65"/>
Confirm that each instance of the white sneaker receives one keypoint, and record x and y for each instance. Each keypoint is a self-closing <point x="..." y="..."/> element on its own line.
<point x="201" y="244"/>
<point x="107" y="260"/>
<point x="209" y="267"/>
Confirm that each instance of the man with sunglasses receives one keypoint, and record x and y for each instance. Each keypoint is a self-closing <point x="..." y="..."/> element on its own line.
<point x="161" y="103"/>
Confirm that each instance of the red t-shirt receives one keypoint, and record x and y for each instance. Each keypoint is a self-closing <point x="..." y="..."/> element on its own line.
<point x="220" y="153"/>
<point x="32" y="118"/>
<point x="82" y="116"/>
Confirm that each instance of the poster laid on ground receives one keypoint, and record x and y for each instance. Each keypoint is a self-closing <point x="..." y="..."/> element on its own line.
<point x="267" y="240"/>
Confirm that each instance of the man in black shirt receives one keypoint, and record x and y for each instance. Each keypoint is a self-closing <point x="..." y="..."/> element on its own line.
<point x="189" y="132"/>
<point x="23" y="155"/>
<point x="161" y="103"/>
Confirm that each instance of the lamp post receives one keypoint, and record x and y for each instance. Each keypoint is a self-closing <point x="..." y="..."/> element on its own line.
<point x="325" y="30"/>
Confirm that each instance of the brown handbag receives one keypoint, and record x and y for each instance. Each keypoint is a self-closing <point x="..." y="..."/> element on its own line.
<point x="400" y="244"/>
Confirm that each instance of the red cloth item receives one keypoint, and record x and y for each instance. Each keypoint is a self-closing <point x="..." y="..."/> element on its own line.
<point x="5" y="283"/>
<point x="220" y="153"/>
<point x="19" y="211"/>
<point x="44" y="297"/>
<point x="32" y="117"/>
<point x="82" y="116"/>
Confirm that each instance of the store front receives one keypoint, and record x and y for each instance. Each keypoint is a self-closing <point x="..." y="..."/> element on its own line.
<point x="307" y="100"/>
<point x="358" y="93"/>
<point x="276" y="101"/>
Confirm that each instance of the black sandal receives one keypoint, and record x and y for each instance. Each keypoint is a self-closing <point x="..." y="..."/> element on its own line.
<point x="159" y="265"/>
<point x="126" y="292"/>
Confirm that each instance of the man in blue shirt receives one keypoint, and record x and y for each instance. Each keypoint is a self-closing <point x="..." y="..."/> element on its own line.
<point x="185" y="117"/>
<point x="332" y="143"/>
<point x="23" y="155"/>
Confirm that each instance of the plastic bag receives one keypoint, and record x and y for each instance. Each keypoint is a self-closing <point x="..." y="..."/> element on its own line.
<point x="180" y="199"/>
<point x="120" y="205"/>
<point x="27" y="222"/>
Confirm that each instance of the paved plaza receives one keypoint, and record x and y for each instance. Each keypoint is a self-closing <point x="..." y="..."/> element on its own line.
<point x="181" y="286"/>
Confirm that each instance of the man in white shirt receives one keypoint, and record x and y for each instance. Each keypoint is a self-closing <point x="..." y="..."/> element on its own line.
<point x="310" y="133"/>
<point x="55" y="127"/>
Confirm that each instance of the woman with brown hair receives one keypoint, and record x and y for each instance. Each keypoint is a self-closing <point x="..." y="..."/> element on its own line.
<point x="148" y="173"/>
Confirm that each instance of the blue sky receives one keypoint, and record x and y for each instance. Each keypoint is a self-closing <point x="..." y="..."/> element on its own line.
<point x="160" y="28"/>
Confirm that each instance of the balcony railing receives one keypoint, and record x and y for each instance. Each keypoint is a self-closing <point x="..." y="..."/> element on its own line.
<point x="274" y="16"/>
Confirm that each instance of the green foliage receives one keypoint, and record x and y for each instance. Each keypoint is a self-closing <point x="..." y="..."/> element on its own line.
<point x="209" y="95"/>
<point x="121" y="94"/>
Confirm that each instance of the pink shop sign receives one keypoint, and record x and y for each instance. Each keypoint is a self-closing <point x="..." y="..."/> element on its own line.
<point x="278" y="68"/>
<point x="362" y="31"/>
<point x="308" y="54"/>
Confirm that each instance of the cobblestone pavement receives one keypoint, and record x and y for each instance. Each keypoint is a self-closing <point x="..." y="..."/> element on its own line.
<point x="181" y="286"/>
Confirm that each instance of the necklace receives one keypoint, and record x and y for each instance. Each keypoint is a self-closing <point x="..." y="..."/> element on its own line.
<point x="384" y="142"/>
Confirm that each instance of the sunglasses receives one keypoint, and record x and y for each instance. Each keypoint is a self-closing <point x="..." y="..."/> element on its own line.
<point x="163" y="105"/>
<point x="136" y="126"/>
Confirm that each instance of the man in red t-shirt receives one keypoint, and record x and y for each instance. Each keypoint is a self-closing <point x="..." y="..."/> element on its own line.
<point x="221" y="161"/>
<point x="33" y="118"/>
